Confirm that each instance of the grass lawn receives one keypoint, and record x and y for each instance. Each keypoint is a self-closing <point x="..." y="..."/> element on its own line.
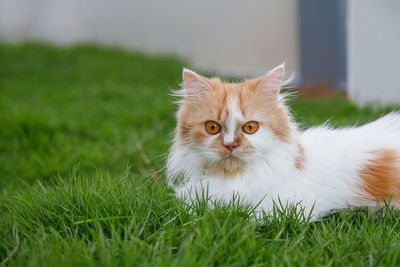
<point x="84" y="132"/>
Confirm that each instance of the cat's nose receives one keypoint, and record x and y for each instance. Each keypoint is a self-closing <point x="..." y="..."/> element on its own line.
<point x="231" y="146"/>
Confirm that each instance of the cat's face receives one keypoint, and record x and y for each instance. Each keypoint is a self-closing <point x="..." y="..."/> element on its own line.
<point x="228" y="124"/>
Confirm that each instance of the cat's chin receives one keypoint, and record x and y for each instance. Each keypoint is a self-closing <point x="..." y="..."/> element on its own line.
<point x="228" y="166"/>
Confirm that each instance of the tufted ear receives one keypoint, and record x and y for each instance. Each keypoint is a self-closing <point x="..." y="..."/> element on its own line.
<point x="192" y="82"/>
<point x="271" y="82"/>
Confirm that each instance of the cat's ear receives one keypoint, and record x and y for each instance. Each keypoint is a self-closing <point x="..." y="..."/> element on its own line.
<point x="271" y="82"/>
<point x="192" y="82"/>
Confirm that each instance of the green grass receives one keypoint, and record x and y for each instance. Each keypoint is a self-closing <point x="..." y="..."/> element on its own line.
<point x="83" y="134"/>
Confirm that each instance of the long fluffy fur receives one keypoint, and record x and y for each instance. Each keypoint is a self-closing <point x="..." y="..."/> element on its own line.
<point x="321" y="168"/>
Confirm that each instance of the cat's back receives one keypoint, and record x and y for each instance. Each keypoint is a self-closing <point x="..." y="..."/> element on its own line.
<point x="381" y="133"/>
<point x="354" y="163"/>
<point x="350" y="149"/>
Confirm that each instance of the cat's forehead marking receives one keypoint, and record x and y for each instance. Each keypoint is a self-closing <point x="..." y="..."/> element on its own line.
<point x="221" y="109"/>
<point x="234" y="118"/>
<point x="234" y="108"/>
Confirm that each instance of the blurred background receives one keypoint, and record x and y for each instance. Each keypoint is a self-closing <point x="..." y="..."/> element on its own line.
<point x="346" y="46"/>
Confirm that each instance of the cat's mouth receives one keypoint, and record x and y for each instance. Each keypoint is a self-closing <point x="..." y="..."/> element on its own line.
<point x="231" y="163"/>
<point x="230" y="155"/>
<point x="228" y="165"/>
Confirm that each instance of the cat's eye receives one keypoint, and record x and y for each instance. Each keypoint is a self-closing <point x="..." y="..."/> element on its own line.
<point x="212" y="127"/>
<point x="250" y="127"/>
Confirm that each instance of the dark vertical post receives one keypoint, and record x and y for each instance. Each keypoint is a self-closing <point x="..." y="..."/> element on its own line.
<point x="323" y="43"/>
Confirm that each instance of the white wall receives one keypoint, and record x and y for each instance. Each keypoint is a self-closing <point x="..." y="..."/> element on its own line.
<point x="374" y="51"/>
<point x="231" y="36"/>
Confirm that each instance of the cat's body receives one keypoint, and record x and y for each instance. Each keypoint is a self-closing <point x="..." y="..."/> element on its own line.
<point x="321" y="168"/>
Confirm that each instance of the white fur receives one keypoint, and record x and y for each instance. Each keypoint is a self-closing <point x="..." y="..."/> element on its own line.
<point x="235" y="116"/>
<point x="329" y="179"/>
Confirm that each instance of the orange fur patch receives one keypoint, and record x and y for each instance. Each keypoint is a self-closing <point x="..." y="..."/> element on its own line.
<point x="300" y="159"/>
<point x="381" y="176"/>
<point x="275" y="117"/>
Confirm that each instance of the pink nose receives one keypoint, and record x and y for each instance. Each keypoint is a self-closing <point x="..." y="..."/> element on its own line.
<point x="231" y="146"/>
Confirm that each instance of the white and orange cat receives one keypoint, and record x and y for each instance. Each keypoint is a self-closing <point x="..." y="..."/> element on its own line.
<point x="239" y="138"/>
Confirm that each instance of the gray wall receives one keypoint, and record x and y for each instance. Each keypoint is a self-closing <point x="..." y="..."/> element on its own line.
<point x="374" y="51"/>
<point x="231" y="36"/>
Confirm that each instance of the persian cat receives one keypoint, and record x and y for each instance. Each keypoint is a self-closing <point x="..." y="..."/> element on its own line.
<point x="240" y="139"/>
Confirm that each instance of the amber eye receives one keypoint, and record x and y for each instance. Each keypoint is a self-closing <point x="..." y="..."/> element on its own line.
<point x="250" y="127"/>
<point x="212" y="127"/>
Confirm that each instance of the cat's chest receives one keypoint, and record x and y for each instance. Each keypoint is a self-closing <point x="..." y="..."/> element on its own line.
<point x="256" y="181"/>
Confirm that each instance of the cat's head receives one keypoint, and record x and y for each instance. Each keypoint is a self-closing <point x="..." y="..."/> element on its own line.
<point x="227" y="125"/>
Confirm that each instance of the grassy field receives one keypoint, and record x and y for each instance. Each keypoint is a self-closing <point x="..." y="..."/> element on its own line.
<point x="84" y="132"/>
